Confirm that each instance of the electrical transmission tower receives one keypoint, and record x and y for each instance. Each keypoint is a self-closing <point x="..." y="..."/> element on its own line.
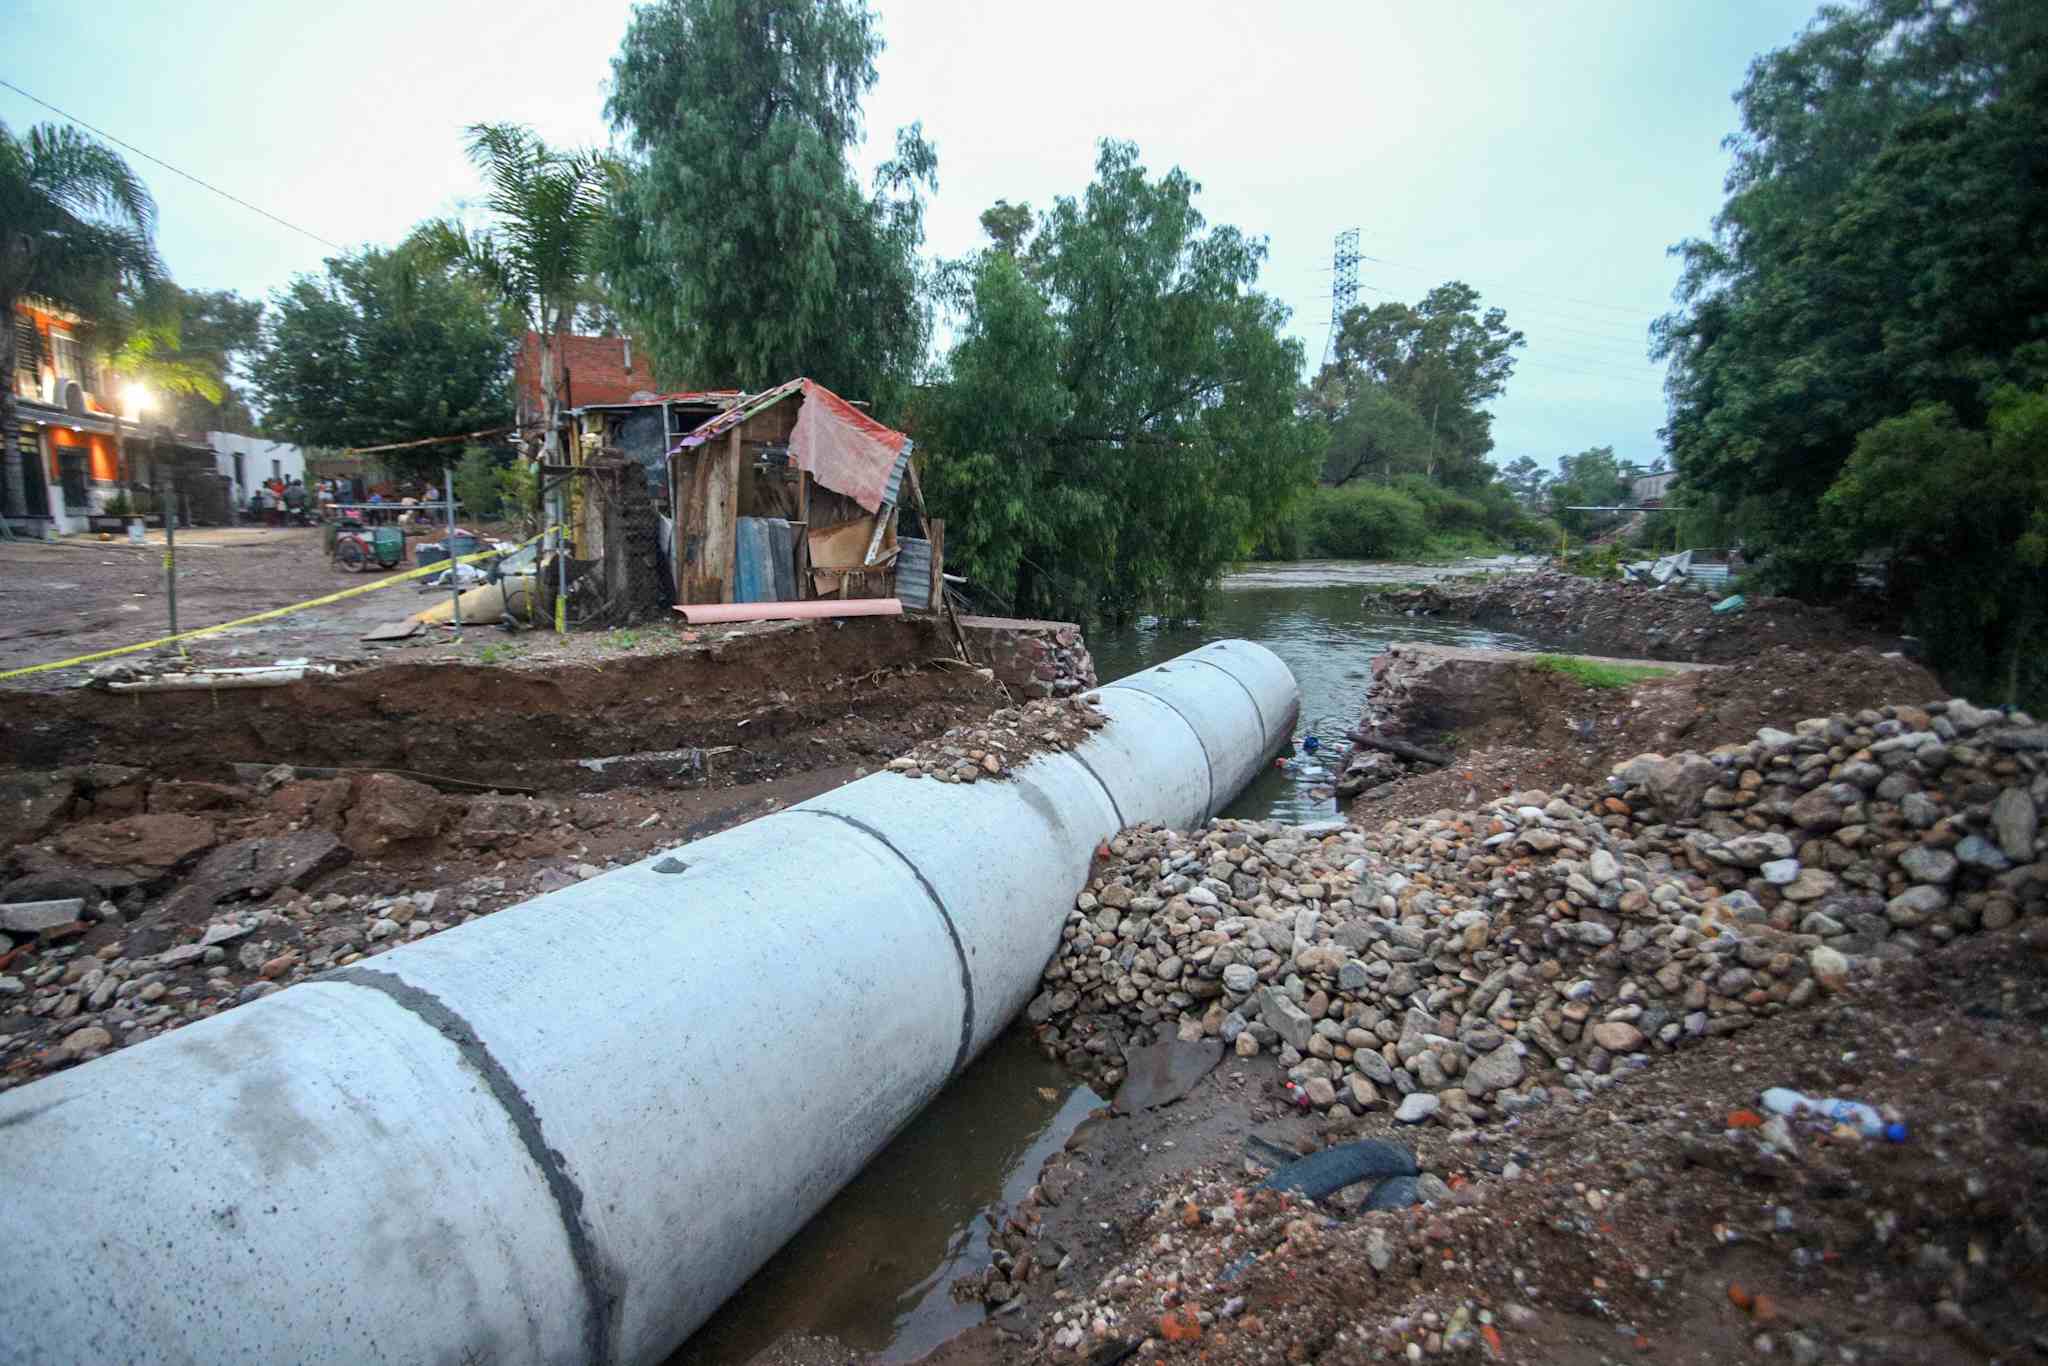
<point x="1343" y="286"/>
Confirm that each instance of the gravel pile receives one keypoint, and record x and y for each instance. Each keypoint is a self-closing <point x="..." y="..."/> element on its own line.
<point x="992" y="747"/>
<point x="1466" y="966"/>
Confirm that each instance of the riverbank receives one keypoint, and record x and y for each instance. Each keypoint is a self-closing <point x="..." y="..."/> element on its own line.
<point x="1566" y="1004"/>
<point x="1626" y="619"/>
<point x="1447" y="727"/>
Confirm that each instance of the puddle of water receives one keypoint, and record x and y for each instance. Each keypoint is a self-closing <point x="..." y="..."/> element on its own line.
<point x="1314" y="614"/>
<point x="874" y="1267"/>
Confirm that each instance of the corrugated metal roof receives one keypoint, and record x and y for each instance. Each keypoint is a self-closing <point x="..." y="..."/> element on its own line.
<point x="892" y="492"/>
<point x="721" y="423"/>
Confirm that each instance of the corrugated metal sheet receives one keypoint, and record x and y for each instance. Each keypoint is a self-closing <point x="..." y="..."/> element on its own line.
<point x="893" y="490"/>
<point x="1705" y="572"/>
<point x="914" y="573"/>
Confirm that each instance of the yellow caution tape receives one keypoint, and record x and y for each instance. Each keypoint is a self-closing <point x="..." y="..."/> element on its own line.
<point x="271" y="615"/>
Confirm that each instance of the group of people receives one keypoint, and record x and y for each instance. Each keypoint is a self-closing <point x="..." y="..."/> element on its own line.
<point x="277" y="501"/>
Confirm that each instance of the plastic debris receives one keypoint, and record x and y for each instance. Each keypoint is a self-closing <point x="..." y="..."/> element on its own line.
<point x="1866" y="1120"/>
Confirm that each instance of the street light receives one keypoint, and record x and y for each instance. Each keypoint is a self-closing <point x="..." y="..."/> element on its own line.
<point x="138" y="399"/>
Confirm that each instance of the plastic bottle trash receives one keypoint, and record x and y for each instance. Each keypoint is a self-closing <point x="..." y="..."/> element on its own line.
<point x="1865" y="1119"/>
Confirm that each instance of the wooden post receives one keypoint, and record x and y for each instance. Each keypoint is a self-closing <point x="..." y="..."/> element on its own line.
<point x="729" y="513"/>
<point x="937" y="531"/>
<point x="802" y="549"/>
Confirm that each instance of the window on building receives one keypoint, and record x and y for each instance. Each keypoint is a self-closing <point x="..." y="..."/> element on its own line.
<point x="67" y="355"/>
<point x="28" y="355"/>
<point x="277" y="469"/>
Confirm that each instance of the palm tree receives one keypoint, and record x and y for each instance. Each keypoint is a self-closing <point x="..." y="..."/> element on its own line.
<point x="76" y="227"/>
<point x="549" y="208"/>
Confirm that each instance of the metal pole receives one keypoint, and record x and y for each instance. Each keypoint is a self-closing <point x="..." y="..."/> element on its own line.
<point x="454" y="575"/>
<point x="561" y="577"/>
<point x="171" y="545"/>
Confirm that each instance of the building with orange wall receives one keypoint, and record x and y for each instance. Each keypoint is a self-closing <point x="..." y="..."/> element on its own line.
<point x="68" y="462"/>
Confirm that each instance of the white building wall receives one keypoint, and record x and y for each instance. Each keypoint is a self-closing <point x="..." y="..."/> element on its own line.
<point x="260" y="459"/>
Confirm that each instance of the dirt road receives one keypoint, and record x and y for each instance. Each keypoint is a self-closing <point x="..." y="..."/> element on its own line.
<point x="80" y="596"/>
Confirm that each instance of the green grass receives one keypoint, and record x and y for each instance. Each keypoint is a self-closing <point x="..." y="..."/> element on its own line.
<point x="499" y="652"/>
<point x="624" y="639"/>
<point x="1596" y="673"/>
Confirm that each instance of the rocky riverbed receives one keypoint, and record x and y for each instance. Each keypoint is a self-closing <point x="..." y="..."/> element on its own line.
<point x="1460" y="979"/>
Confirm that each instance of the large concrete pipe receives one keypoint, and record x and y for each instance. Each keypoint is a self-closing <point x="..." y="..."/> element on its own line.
<point x="566" y="1132"/>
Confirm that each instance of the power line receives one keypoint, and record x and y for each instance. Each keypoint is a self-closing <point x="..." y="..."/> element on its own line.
<point x="1629" y="309"/>
<point x="235" y="199"/>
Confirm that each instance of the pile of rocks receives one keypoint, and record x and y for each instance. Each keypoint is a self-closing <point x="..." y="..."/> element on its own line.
<point x="1469" y="965"/>
<point x="992" y="747"/>
<point x="1032" y="658"/>
<point x="77" y="1004"/>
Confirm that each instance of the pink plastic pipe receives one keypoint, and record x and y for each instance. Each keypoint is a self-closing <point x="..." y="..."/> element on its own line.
<point x="709" y="613"/>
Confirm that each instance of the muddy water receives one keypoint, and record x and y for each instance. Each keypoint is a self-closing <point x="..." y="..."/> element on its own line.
<point x="872" y="1270"/>
<point x="1314" y="615"/>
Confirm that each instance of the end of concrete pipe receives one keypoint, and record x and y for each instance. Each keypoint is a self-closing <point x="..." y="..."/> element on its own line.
<point x="541" y="1136"/>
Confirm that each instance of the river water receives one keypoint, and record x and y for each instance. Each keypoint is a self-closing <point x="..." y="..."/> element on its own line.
<point x="1315" y="615"/>
<point x="872" y="1268"/>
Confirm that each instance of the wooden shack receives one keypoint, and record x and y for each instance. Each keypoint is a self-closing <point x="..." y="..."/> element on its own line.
<point x="794" y="493"/>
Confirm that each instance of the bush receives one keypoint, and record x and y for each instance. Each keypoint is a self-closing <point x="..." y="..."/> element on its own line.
<point x="476" y="485"/>
<point x="1365" y="522"/>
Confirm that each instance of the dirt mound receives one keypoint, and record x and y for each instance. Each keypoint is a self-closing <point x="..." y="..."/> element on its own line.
<point x="1611" y="617"/>
<point x="1513" y="722"/>
<point x="1658" y="1220"/>
<point x="1572" y="1006"/>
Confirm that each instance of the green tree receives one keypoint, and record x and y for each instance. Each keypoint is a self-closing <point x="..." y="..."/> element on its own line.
<point x="1008" y="225"/>
<point x="222" y="330"/>
<point x="1592" y="478"/>
<point x="1962" y="516"/>
<point x="1528" y="481"/>
<point x="539" y="251"/>
<point x="1374" y="432"/>
<point x="1446" y="360"/>
<point x="743" y="247"/>
<point x="385" y="346"/>
<point x="1117" y="421"/>
<point x="76" y="227"/>
<point x="183" y="345"/>
<point x="1883" y="248"/>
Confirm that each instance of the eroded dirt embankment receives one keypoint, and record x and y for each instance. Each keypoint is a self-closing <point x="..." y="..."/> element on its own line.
<point x="784" y="701"/>
<point x="1637" y="621"/>
<point x="1509" y="721"/>
<point x="167" y="856"/>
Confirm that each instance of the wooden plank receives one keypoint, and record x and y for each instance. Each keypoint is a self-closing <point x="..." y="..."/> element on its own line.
<point x="804" y="587"/>
<point x="727" y="531"/>
<point x="936" y="533"/>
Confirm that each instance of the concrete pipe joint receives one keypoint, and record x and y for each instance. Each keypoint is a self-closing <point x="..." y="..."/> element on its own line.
<point x="566" y="1132"/>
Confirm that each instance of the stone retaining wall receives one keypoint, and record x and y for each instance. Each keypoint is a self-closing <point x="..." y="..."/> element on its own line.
<point x="1032" y="658"/>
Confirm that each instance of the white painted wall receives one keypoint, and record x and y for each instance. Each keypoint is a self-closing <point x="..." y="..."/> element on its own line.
<point x="257" y="455"/>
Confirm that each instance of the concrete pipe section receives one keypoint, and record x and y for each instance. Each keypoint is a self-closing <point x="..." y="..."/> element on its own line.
<point x="566" y="1132"/>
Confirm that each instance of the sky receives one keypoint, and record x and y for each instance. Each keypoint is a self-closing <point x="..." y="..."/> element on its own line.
<point x="1547" y="155"/>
